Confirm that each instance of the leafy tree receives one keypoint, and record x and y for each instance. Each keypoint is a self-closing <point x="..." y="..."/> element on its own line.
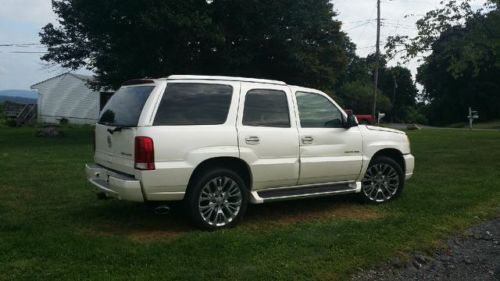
<point x="298" y="41"/>
<point x="461" y="49"/>
<point x="359" y="97"/>
<point x="450" y="96"/>
<point x="397" y="84"/>
<point x="452" y="14"/>
<point x="356" y="90"/>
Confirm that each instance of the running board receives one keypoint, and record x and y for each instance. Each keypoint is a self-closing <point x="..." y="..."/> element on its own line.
<point x="305" y="191"/>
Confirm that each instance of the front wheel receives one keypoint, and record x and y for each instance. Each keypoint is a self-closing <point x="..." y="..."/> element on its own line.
<point x="217" y="199"/>
<point x="383" y="180"/>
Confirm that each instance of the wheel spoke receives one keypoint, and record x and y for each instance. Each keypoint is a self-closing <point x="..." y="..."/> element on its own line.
<point x="380" y="182"/>
<point x="220" y="201"/>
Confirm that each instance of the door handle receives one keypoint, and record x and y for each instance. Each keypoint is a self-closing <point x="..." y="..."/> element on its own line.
<point x="253" y="140"/>
<point x="307" y="140"/>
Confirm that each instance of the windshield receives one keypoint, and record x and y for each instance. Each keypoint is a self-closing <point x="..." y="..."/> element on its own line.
<point x="125" y="106"/>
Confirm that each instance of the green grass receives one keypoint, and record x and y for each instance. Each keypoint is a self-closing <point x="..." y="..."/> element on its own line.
<point x="53" y="228"/>
<point x="478" y="125"/>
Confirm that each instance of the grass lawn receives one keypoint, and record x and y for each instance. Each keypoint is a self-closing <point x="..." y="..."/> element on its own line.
<point x="478" y="125"/>
<point x="53" y="228"/>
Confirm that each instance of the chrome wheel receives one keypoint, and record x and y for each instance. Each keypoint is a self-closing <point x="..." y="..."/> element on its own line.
<point x="220" y="201"/>
<point x="381" y="182"/>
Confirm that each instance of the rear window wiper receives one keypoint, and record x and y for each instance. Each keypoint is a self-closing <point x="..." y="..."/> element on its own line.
<point x="118" y="129"/>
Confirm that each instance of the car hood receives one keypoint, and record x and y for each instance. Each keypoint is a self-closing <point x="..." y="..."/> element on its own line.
<point x="382" y="129"/>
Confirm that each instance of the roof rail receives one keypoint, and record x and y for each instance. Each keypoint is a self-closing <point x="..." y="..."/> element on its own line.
<point x="137" y="82"/>
<point x="226" y="78"/>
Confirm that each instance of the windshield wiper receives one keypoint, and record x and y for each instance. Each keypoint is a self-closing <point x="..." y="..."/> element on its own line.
<point x="118" y="129"/>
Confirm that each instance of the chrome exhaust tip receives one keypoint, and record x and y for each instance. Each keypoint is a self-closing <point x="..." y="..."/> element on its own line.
<point x="162" y="210"/>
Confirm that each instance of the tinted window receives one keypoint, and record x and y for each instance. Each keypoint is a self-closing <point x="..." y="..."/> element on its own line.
<point x="125" y="106"/>
<point x="316" y="111"/>
<point x="194" y="104"/>
<point x="266" y="108"/>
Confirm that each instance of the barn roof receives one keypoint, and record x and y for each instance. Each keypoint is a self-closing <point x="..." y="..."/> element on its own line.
<point x="82" y="77"/>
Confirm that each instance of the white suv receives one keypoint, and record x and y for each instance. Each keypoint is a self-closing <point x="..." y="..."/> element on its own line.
<point x="220" y="142"/>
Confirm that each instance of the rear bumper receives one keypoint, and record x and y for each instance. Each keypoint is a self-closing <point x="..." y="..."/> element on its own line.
<point x="113" y="184"/>
<point x="409" y="164"/>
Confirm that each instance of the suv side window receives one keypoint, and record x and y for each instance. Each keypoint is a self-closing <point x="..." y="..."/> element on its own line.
<point x="316" y="111"/>
<point x="266" y="108"/>
<point x="194" y="104"/>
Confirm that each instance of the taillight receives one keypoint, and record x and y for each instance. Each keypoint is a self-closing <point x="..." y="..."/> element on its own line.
<point x="144" y="153"/>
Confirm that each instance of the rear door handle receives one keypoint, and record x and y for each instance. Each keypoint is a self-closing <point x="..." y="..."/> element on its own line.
<point x="307" y="140"/>
<point x="253" y="140"/>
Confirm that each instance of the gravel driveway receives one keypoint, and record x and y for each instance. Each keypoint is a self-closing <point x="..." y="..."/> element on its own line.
<point x="473" y="257"/>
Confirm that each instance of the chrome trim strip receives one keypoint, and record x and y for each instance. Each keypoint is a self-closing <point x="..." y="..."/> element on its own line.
<point x="307" y="185"/>
<point x="309" y="195"/>
<point x="256" y="199"/>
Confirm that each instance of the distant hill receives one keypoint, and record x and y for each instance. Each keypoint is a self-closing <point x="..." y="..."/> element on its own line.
<point x="17" y="100"/>
<point x="18" y="96"/>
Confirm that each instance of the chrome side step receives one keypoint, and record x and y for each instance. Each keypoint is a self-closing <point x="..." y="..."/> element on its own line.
<point x="305" y="191"/>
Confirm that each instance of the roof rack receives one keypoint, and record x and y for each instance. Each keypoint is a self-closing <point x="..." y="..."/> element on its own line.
<point x="227" y="78"/>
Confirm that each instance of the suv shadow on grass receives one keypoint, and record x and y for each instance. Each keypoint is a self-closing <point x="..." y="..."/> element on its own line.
<point x="139" y="222"/>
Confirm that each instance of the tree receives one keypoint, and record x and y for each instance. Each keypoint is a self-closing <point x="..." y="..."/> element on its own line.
<point x="397" y="84"/>
<point x="435" y="23"/>
<point x="298" y="41"/>
<point x="356" y="89"/>
<point x="450" y="95"/>
<point x="460" y="48"/>
<point x="358" y="97"/>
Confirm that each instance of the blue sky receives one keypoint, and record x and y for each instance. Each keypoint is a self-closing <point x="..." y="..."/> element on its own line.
<point x="21" y="20"/>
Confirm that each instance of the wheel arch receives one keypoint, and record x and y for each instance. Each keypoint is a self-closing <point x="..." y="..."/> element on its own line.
<point x="392" y="153"/>
<point x="232" y="163"/>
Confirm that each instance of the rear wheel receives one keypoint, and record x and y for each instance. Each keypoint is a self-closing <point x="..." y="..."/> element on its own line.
<point x="383" y="180"/>
<point x="217" y="199"/>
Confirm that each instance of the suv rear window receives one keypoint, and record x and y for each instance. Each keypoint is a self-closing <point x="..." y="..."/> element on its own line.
<point x="125" y="106"/>
<point x="194" y="104"/>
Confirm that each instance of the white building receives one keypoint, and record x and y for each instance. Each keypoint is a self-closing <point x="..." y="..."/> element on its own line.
<point x="67" y="96"/>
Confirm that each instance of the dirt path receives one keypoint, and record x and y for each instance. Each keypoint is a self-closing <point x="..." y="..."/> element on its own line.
<point x="474" y="257"/>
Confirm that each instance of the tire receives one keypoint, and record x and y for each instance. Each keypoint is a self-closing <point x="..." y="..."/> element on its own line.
<point x="217" y="199"/>
<point x="383" y="181"/>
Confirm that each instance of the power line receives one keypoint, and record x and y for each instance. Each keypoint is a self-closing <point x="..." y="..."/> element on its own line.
<point x="358" y="26"/>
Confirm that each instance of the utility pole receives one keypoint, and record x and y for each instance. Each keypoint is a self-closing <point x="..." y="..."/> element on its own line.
<point x="377" y="61"/>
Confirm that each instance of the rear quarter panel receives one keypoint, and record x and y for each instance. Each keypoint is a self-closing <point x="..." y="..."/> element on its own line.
<point x="180" y="149"/>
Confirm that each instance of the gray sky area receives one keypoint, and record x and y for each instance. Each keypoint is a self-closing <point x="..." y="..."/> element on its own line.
<point x="21" y="20"/>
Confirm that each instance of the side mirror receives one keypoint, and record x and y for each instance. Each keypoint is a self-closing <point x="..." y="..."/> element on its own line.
<point x="351" y="121"/>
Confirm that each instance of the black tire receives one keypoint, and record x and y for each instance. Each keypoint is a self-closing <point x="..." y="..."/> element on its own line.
<point x="222" y="200"/>
<point x="382" y="187"/>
